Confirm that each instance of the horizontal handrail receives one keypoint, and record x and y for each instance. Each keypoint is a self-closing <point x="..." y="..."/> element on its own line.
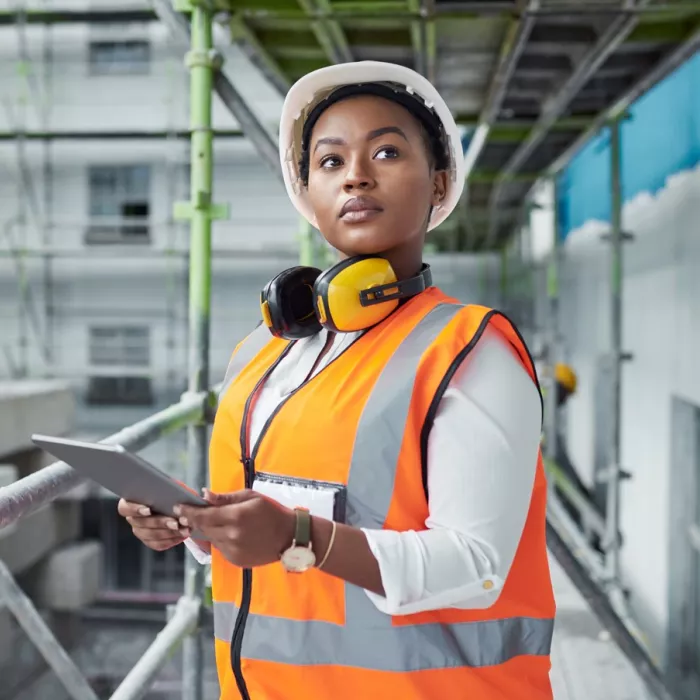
<point x="586" y="509"/>
<point x="27" y="495"/>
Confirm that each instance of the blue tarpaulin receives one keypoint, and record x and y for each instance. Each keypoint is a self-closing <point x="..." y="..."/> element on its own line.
<point x="662" y="137"/>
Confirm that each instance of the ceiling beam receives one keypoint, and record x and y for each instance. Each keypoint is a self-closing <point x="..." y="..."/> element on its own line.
<point x="516" y="37"/>
<point x="565" y="124"/>
<point x="481" y="214"/>
<point x="265" y="143"/>
<point x="69" y="16"/>
<point x="487" y="177"/>
<point x="420" y="62"/>
<point x="328" y="31"/>
<point x="430" y="47"/>
<point x="362" y="10"/>
<point x="672" y="61"/>
<point x="95" y="135"/>
<point x="556" y="103"/>
<point x="246" y="39"/>
<point x="376" y="9"/>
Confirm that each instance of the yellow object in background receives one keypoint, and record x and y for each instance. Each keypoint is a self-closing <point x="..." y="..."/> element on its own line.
<point x="565" y="375"/>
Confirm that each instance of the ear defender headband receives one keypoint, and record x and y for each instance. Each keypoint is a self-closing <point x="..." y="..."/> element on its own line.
<point x="353" y="295"/>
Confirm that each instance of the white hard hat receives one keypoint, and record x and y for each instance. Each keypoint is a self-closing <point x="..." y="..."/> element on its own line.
<point x="316" y="86"/>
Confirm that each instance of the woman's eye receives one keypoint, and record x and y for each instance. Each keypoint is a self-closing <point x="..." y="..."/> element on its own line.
<point x="330" y="162"/>
<point x="387" y="152"/>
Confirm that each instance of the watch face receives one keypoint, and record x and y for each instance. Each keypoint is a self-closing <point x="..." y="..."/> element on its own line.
<point x="298" y="559"/>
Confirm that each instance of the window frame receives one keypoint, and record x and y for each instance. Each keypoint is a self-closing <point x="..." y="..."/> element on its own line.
<point x="118" y="376"/>
<point x="100" y="68"/>
<point x="130" y="190"/>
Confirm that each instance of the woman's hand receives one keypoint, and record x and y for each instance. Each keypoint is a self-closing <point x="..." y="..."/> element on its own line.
<point x="157" y="532"/>
<point x="248" y="528"/>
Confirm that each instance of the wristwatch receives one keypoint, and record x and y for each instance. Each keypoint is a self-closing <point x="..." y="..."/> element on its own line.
<point x="300" y="556"/>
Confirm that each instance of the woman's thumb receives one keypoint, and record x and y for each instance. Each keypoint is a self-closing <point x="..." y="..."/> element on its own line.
<point x="224" y="499"/>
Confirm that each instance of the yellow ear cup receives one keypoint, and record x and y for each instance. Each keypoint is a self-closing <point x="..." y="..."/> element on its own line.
<point x="321" y="309"/>
<point x="265" y="309"/>
<point x="343" y="295"/>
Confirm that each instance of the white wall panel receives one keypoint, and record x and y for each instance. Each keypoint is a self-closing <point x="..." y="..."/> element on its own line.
<point x="661" y="328"/>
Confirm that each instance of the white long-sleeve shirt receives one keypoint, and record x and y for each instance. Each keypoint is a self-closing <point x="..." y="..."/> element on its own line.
<point x="482" y="457"/>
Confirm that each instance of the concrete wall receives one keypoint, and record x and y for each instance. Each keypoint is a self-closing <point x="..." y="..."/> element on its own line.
<point x="152" y="100"/>
<point x="661" y="327"/>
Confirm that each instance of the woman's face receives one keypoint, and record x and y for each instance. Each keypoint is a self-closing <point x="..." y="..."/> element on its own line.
<point x="371" y="181"/>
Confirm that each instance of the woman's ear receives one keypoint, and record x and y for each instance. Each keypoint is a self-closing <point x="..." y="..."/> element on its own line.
<point x="439" y="188"/>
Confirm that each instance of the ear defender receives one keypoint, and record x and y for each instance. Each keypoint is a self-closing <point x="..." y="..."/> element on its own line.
<point x="353" y="295"/>
<point x="287" y="304"/>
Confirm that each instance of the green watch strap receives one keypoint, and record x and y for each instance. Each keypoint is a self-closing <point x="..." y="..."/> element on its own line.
<point x="302" y="531"/>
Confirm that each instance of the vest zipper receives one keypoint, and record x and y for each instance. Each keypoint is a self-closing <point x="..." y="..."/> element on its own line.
<point x="248" y="460"/>
<point x="249" y="474"/>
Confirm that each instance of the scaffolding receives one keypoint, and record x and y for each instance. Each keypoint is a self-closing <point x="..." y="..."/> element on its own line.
<point x="30" y="234"/>
<point x="605" y="570"/>
<point x="599" y="578"/>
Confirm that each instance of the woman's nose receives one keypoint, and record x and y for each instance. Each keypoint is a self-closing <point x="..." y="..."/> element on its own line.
<point x="358" y="176"/>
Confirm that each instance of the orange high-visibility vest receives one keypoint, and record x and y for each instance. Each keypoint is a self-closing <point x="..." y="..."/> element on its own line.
<point x="364" y="421"/>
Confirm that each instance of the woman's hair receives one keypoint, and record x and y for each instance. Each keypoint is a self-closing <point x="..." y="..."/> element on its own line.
<point x="430" y="126"/>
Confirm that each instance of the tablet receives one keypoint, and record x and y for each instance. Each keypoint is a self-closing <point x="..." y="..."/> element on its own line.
<point x="123" y="473"/>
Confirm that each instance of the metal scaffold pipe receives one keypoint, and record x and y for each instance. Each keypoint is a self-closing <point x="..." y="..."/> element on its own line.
<point x="141" y="676"/>
<point x="203" y="62"/>
<point x="43" y="638"/>
<point x="614" y="475"/>
<point x="263" y="141"/>
<point x="39" y="488"/>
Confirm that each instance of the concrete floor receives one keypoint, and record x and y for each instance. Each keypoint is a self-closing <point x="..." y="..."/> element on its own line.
<point x="585" y="665"/>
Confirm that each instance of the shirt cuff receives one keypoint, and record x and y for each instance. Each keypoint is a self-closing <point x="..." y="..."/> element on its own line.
<point x="409" y="588"/>
<point x="197" y="552"/>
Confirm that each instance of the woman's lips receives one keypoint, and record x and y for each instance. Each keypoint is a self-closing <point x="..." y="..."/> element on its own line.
<point x="358" y="216"/>
<point x="359" y="209"/>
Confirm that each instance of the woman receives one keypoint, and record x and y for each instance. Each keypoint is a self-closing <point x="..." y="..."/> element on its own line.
<point x="377" y="518"/>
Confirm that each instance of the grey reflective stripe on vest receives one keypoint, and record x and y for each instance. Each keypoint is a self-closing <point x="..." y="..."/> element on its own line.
<point x="380" y="431"/>
<point x="368" y="639"/>
<point x="383" y="647"/>
<point x="249" y="348"/>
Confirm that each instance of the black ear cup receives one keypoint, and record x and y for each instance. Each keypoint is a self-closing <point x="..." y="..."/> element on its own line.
<point x="287" y="303"/>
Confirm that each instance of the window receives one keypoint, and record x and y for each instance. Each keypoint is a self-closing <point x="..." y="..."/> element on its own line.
<point x="118" y="357"/>
<point x="121" y="346"/>
<point x="119" y="196"/>
<point x="120" y="391"/>
<point x="132" y="57"/>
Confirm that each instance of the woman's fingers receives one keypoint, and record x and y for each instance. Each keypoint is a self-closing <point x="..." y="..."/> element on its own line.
<point x="139" y="516"/>
<point x="160" y="545"/>
<point x="134" y="510"/>
<point x="157" y="522"/>
<point x="158" y="532"/>
<point x="159" y="535"/>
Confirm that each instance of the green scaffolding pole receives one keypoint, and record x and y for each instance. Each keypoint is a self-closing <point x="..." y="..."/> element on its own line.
<point x="307" y="244"/>
<point x="202" y="62"/>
